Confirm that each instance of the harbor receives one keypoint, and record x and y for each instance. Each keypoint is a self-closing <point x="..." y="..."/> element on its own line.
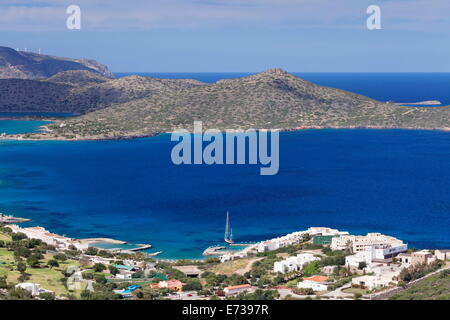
<point x="117" y="245"/>
<point x="220" y="250"/>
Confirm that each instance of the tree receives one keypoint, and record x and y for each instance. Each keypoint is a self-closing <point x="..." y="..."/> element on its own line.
<point x="91" y="251"/>
<point x="357" y="295"/>
<point x="311" y="268"/>
<point x="362" y="265"/>
<point x="33" y="262"/>
<point x="304" y="291"/>
<point x="100" y="278"/>
<point x="3" y="283"/>
<point x="113" y="270"/>
<point x="306" y="237"/>
<point x="60" y="257"/>
<point x="19" y="293"/>
<point x="21" y="267"/>
<point x="22" y="252"/>
<point x="99" y="267"/>
<point x="192" y="285"/>
<point x="47" y="296"/>
<point x="18" y="236"/>
<point x="86" y="295"/>
<point x="23" y="277"/>
<point x="52" y="263"/>
<point x="236" y="279"/>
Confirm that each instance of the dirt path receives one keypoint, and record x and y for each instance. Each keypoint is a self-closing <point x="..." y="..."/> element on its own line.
<point x="248" y="267"/>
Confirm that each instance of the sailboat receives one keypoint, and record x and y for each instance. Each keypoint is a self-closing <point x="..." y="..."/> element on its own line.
<point x="228" y="231"/>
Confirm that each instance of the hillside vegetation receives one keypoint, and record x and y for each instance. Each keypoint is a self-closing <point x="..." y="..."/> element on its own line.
<point x="435" y="287"/>
<point x="143" y="106"/>
<point x="273" y="99"/>
<point x="79" y="92"/>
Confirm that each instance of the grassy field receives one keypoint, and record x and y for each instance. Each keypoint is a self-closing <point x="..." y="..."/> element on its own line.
<point x="5" y="237"/>
<point x="436" y="287"/>
<point x="49" y="279"/>
<point x="230" y="267"/>
<point x="355" y="290"/>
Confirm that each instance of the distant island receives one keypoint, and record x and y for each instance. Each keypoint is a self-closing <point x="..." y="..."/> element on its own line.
<point x="30" y="65"/>
<point x="136" y="106"/>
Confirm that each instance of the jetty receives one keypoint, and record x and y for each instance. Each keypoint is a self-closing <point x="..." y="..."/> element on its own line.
<point x="154" y="254"/>
<point x="215" y="251"/>
<point x="10" y="219"/>
<point x="141" y="247"/>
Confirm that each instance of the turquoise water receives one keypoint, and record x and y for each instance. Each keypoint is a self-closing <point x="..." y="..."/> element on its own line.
<point x="35" y="115"/>
<point x="106" y="245"/>
<point x="21" y="126"/>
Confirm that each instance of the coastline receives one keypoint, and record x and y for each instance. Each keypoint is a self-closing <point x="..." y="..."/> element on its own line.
<point x="42" y="137"/>
<point x="90" y="241"/>
<point x="46" y="134"/>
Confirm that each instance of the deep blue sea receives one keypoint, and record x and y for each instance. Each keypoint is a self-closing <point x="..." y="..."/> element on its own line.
<point x="390" y="181"/>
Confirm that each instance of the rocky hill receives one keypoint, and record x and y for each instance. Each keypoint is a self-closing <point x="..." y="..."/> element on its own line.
<point x="142" y="106"/>
<point x="272" y="99"/>
<point x="29" y="65"/>
<point x="77" y="78"/>
<point x="79" y="92"/>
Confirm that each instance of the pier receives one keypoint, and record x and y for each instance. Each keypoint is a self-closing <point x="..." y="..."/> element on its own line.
<point x="141" y="247"/>
<point x="215" y="251"/>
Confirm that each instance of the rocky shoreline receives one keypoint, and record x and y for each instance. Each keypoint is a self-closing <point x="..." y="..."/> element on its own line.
<point x="47" y="137"/>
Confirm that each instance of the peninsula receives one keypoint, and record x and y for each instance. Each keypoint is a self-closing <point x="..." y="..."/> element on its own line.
<point x="137" y="106"/>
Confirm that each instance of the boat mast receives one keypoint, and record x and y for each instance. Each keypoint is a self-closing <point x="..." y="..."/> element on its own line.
<point x="227" y="225"/>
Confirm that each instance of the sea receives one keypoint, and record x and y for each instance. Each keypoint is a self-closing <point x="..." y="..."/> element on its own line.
<point x="390" y="181"/>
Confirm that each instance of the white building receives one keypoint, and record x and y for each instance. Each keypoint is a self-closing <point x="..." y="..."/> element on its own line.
<point x="226" y="257"/>
<point x="316" y="283"/>
<point x="357" y="258"/>
<point x="324" y="231"/>
<point x="383" y="276"/>
<point x="96" y="259"/>
<point x="60" y="242"/>
<point x="387" y="251"/>
<point x="280" y="242"/>
<point x="232" y="290"/>
<point x="373" y="282"/>
<point x="328" y="269"/>
<point x="125" y="275"/>
<point x="33" y="288"/>
<point x="442" y="254"/>
<point x="316" y="286"/>
<point x="295" y="263"/>
<point x="373" y="253"/>
<point x="359" y="243"/>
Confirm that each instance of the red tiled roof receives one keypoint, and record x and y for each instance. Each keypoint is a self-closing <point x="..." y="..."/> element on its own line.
<point x="317" y="278"/>
<point x="241" y="286"/>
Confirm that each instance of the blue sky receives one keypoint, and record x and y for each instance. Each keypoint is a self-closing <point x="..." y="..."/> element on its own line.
<point x="236" y="35"/>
